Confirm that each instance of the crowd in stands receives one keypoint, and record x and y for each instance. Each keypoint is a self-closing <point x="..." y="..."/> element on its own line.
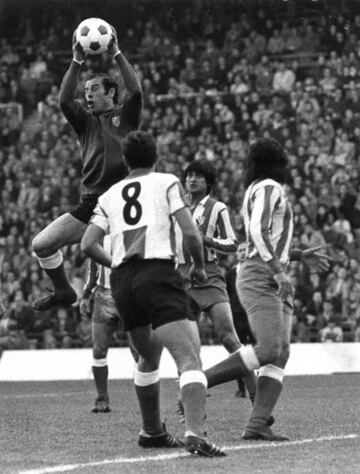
<point x="213" y="81"/>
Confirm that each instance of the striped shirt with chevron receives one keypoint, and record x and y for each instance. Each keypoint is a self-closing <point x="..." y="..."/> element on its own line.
<point x="268" y="221"/>
<point x="137" y="214"/>
<point x="213" y="220"/>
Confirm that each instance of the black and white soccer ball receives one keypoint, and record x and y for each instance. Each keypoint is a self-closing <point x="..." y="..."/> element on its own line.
<point x="94" y="35"/>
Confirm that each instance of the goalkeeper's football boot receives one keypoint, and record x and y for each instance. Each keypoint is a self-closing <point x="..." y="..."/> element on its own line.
<point x="202" y="447"/>
<point x="261" y="432"/>
<point x="101" y="405"/>
<point x="161" y="440"/>
<point x="54" y="300"/>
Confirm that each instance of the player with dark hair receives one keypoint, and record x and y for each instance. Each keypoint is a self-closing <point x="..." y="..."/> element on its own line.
<point x="149" y="294"/>
<point x="263" y="285"/>
<point x="100" y="130"/>
<point x="213" y="221"/>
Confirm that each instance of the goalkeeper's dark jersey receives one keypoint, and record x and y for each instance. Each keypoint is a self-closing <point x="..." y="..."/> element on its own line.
<point x="101" y="139"/>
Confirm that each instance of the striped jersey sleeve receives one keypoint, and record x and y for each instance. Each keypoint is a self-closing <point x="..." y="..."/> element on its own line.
<point x="221" y="234"/>
<point x="268" y="221"/>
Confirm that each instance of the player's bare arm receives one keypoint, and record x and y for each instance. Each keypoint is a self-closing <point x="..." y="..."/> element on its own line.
<point x="70" y="81"/>
<point x="91" y="246"/>
<point x="313" y="257"/>
<point x="130" y="78"/>
<point x="193" y="242"/>
<point x="85" y="302"/>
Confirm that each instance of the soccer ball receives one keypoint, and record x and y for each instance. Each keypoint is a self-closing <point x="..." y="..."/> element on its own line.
<point x="94" y="35"/>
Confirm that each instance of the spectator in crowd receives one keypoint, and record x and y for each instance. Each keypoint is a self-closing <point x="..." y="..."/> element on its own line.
<point x="331" y="332"/>
<point x="284" y="79"/>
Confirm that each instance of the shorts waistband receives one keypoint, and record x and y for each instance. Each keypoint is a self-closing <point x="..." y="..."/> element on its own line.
<point x="258" y="259"/>
<point x="146" y="261"/>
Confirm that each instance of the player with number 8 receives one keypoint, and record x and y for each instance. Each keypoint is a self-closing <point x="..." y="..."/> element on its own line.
<point x="139" y="214"/>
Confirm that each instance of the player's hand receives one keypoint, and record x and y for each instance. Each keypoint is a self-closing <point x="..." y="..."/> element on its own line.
<point x="85" y="307"/>
<point x="78" y="52"/>
<point x="197" y="274"/>
<point x="316" y="259"/>
<point x="286" y="290"/>
<point x="113" y="47"/>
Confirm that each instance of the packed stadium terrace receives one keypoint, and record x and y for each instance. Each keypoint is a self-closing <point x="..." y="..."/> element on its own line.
<point x="214" y="80"/>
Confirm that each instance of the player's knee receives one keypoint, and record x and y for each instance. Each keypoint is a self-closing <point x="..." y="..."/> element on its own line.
<point x="284" y="355"/>
<point x="229" y="340"/>
<point x="36" y="244"/>
<point x="189" y="361"/>
<point x="147" y="364"/>
<point x="272" y="351"/>
<point x="41" y="246"/>
<point x="99" y="352"/>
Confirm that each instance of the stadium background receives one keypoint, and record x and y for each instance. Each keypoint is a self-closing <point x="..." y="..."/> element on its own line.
<point x="215" y="75"/>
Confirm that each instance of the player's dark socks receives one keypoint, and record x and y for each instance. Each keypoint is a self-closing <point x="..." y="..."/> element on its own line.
<point x="202" y="447"/>
<point x="229" y="369"/>
<point x="149" y="401"/>
<point x="59" y="279"/>
<point x="240" y="394"/>
<point x="101" y="380"/>
<point x="241" y="385"/>
<point x="267" y="395"/>
<point x="54" y="300"/>
<point x="250" y="381"/>
<point x="160" y="440"/>
<point x="261" y="432"/>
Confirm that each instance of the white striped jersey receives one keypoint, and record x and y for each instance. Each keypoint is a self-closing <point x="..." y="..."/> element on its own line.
<point x="268" y="221"/>
<point x="98" y="274"/>
<point x="136" y="212"/>
<point x="213" y="220"/>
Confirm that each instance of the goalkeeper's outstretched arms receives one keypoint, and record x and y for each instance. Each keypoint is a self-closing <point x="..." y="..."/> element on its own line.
<point x="70" y="107"/>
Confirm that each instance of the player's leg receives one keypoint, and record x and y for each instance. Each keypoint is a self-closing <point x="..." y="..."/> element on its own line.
<point x="147" y="387"/>
<point x="222" y="318"/>
<point x="147" y="381"/>
<point x="182" y="340"/>
<point x="270" y="379"/>
<point x="259" y="297"/>
<point x="104" y="323"/>
<point x="241" y="392"/>
<point x="102" y="334"/>
<point x="245" y="336"/>
<point x="65" y="230"/>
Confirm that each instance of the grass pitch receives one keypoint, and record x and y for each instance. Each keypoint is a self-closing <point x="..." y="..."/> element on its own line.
<point x="48" y="427"/>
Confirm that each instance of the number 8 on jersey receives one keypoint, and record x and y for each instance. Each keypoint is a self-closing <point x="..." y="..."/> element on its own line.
<point x="137" y="213"/>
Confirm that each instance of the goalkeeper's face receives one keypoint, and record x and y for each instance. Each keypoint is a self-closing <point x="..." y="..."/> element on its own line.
<point x="97" y="99"/>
